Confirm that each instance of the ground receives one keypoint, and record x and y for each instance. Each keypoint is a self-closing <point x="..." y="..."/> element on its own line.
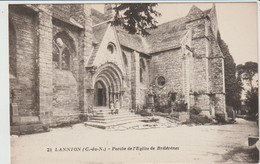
<point x="190" y="144"/>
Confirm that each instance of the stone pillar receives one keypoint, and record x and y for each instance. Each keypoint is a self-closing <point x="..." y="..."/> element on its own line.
<point x="45" y="63"/>
<point x="87" y="45"/>
<point x="135" y="56"/>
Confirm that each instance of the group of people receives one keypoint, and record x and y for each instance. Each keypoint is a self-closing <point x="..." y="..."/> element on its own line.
<point x="114" y="107"/>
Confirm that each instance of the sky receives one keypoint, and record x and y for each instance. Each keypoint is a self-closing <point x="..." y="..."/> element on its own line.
<point x="237" y="24"/>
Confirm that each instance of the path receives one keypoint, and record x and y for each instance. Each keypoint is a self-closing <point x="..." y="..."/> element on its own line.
<point x="197" y="144"/>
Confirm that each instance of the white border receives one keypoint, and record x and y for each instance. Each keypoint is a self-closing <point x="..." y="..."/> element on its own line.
<point x="4" y="75"/>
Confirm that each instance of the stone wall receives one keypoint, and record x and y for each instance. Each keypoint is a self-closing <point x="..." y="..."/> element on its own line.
<point x="66" y="90"/>
<point x="127" y="98"/>
<point x="65" y="93"/>
<point x="37" y="87"/>
<point x="169" y="65"/>
<point x="24" y="82"/>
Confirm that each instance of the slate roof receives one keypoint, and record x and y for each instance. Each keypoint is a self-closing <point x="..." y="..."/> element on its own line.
<point x="129" y="40"/>
<point x="98" y="34"/>
<point x="167" y="36"/>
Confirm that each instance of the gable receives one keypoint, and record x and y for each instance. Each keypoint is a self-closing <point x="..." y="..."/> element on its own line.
<point x="194" y="13"/>
<point x="108" y="50"/>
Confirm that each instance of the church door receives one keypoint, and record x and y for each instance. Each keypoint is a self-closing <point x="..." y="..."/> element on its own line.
<point x="100" y="94"/>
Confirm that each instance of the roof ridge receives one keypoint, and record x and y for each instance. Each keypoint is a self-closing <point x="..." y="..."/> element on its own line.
<point x="181" y="17"/>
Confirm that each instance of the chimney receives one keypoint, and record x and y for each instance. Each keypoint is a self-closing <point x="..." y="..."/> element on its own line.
<point x="108" y="11"/>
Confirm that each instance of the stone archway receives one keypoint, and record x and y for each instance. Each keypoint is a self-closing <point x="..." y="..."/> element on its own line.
<point x="107" y="85"/>
<point x="100" y="92"/>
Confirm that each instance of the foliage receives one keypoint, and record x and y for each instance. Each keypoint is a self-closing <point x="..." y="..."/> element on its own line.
<point x="233" y="85"/>
<point x="136" y="18"/>
<point x="195" y="110"/>
<point x="247" y="71"/>
<point x="166" y="103"/>
<point x="180" y="106"/>
<point x="197" y="119"/>
<point x="144" y="113"/>
<point x="252" y="100"/>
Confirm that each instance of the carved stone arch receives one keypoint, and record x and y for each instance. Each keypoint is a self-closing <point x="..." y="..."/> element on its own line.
<point x="110" y="74"/>
<point x="100" y="93"/>
<point x="107" y="80"/>
<point x="113" y="67"/>
<point x="111" y="79"/>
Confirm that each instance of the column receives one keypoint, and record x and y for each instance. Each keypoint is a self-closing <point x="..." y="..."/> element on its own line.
<point x="45" y="63"/>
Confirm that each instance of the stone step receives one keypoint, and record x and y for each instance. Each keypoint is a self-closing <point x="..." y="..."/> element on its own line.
<point x="109" y="111"/>
<point x="112" y="117"/>
<point x="106" y="121"/>
<point x="109" y="125"/>
<point x="103" y="118"/>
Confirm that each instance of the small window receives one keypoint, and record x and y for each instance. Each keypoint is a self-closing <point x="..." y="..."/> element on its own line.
<point x="125" y="59"/>
<point x="111" y="48"/>
<point x="161" y="80"/>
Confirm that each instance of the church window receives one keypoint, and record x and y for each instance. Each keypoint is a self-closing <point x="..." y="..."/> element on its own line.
<point x="125" y="59"/>
<point x="161" y="81"/>
<point x="111" y="48"/>
<point x="66" y="59"/>
<point x="63" y="49"/>
<point x="142" y="70"/>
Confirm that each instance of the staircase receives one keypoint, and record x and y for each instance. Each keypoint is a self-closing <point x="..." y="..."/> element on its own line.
<point x="104" y="119"/>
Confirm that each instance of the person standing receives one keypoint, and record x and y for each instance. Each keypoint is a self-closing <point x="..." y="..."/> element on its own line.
<point x="117" y="106"/>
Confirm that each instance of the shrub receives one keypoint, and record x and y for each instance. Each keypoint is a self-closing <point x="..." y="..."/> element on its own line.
<point x="197" y="119"/>
<point x="144" y="113"/>
<point x="180" y="106"/>
<point x="195" y="110"/>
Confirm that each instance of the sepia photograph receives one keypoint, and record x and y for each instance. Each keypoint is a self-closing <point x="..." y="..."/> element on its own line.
<point x="173" y="82"/>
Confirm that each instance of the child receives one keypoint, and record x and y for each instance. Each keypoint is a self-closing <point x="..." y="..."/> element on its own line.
<point x="117" y="106"/>
<point x="112" y="107"/>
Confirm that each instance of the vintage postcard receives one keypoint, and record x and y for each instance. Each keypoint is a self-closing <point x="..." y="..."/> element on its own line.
<point x="133" y="82"/>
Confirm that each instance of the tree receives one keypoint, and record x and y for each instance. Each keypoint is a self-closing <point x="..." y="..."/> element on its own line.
<point x="247" y="72"/>
<point x="252" y="100"/>
<point x="233" y="84"/>
<point x="136" y="18"/>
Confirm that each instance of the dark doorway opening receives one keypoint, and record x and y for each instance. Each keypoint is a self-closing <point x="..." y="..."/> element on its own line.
<point x="100" y="94"/>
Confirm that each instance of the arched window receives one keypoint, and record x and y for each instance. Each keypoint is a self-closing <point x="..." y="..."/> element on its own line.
<point x="66" y="59"/>
<point x="111" y="48"/>
<point x="12" y="49"/>
<point x="125" y="59"/>
<point x="63" y="51"/>
<point x="161" y="80"/>
<point x="142" y="70"/>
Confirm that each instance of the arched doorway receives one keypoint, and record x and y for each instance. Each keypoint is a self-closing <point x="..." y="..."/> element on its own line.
<point x="107" y="85"/>
<point x="100" y="94"/>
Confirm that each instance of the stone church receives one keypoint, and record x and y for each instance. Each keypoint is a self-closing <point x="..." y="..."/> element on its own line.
<point x="67" y="60"/>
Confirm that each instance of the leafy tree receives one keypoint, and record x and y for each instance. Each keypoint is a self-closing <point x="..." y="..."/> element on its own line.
<point x="136" y="18"/>
<point x="252" y="100"/>
<point x="247" y="72"/>
<point x="233" y="84"/>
